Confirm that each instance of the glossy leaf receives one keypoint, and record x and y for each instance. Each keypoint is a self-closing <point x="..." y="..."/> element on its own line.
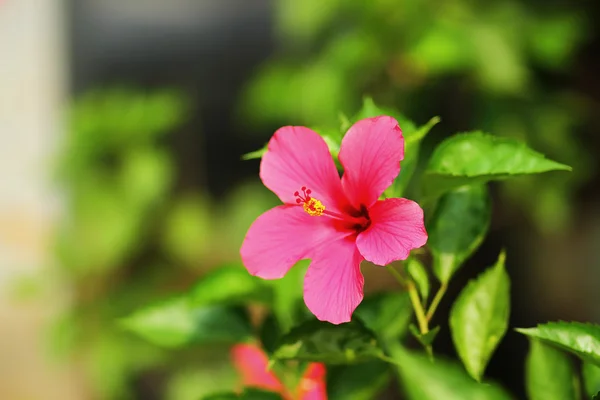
<point x="176" y="322"/>
<point x="333" y="344"/>
<point x="476" y="157"/>
<point x="591" y="378"/>
<point x="550" y="374"/>
<point x="457" y="228"/>
<point x="578" y="338"/>
<point x="423" y="379"/>
<point x="230" y="284"/>
<point x="358" y="381"/>
<point x="418" y="273"/>
<point x="387" y="314"/>
<point x="479" y="318"/>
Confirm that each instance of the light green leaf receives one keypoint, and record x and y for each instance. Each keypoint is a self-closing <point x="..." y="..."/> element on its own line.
<point x="426" y="380"/>
<point x="479" y="318"/>
<point x="230" y="284"/>
<point x="457" y="228"/>
<point x="591" y="378"/>
<point x="578" y="338"/>
<point x="477" y="157"/>
<point x="321" y="341"/>
<point x="418" y="273"/>
<point x="176" y="323"/>
<point x="386" y="313"/>
<point x="358" y="381"/>
<point x="550" y="374"/>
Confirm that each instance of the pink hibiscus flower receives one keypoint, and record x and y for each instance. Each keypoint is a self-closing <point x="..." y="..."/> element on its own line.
<point x="335" y="222"/>
<point x="251" y="363"/>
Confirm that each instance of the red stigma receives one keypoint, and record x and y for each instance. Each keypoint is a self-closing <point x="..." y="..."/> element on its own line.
<point x="304" y="197"/>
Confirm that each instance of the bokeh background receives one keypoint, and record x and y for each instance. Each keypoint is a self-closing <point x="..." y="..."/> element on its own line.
<point x="122" y="126"/>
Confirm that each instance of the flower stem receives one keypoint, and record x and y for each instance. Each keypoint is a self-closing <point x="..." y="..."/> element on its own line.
<point x="414" y="299"/>
<point x="436" y="300"/>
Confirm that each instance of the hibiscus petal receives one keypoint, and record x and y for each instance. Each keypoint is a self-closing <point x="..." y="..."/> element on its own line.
<point x="281" y="237"/>
<point x="297" y="157"/>
<point x="396" y="228"/>
<point x="312" y="384"/>
<point x="251" y="363"/>
<point x="333" y="285"/>
<point x="371" y="153"/>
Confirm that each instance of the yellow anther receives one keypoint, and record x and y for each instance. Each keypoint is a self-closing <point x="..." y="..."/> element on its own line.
<point x="313" y="207"/>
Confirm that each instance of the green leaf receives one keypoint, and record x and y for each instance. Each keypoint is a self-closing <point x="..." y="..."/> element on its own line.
<point x="591" y="378"/>
<point x="457" y="228"/>
<point x="550" y="374"/>
<point x="477" y="157"/>
<point x="578" y="338"/>
<point x="427" y="339"/>
<point x="248" y="394"/>
<point x="320" y="341"/>
<point x="386" y="313"/>
<point x="596" y="396"/>
<point x="176" y="323"/>
<point x="426" y="380"/>
<point x="230" y="284"/>
<point x="418" y="273"/>
<point x="358" y="381"/>
<point x="479" y="317"/>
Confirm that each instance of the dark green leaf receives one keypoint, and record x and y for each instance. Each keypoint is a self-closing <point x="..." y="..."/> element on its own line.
<point x="458" y="226"/>
<point x="248" y="394"/>
<point x="427" y="339"/>
<point x="176" y="322"/>
<point x="229" y="284"/>
<point x="358" y="381"/>
<point x="333" y="344"/>
<point x="479" y="318"/>
<point x="270" y="333"/>
<point x="596" y="396"/>
<point x="418" y="273"/>
<point x="427" y="380"/>
<point x="591" y="378"/>
<point x="387" y="314"/>
<point x="578" y="338"/>
<point x="549" y="373"/>
<point x="477" y="157"/>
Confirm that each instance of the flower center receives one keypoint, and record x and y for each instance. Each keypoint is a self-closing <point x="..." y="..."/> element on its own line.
<point x="357" y="220"/>
<point x="312" y="206"/>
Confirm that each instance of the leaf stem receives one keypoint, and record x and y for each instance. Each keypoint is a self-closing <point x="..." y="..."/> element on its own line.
<point x="436" y="300"/>
<point x="414" y="299"/>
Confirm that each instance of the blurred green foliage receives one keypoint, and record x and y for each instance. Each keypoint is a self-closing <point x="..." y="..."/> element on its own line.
<point x="129" y="237"/>
<point x="490" y="65"/>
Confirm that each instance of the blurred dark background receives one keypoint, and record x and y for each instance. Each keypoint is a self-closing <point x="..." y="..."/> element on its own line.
<point x="154" y="200"/>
